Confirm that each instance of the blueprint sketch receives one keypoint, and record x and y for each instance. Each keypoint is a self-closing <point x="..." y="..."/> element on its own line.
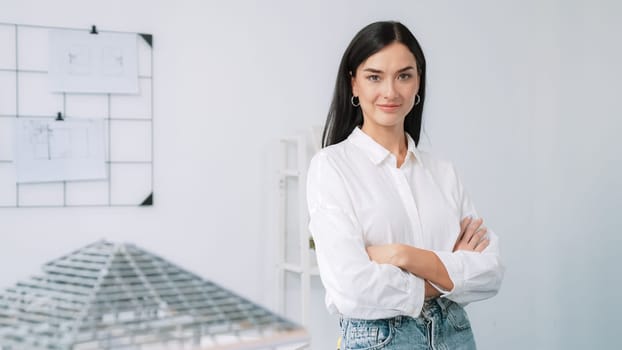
<point x="49" y="150"/>
<point x="93" y="63"/>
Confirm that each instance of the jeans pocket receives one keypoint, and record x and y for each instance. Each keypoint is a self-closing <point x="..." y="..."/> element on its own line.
<point x="367" y="334"/>
<point x="458" y="317"/>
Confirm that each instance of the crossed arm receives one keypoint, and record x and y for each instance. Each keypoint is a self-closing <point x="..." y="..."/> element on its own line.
<point x="425" y="263"/>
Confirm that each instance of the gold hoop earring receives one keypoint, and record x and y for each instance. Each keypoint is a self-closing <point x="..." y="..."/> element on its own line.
<point x="358" y="103"/>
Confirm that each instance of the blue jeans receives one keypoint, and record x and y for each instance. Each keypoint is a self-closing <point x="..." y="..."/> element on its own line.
<point x="442" y="325"/>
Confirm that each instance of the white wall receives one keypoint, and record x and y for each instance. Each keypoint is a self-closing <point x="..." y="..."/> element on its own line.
<point x="522" y="97"/>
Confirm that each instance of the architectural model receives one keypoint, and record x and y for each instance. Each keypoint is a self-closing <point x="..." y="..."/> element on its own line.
<point x="118" y="296"/>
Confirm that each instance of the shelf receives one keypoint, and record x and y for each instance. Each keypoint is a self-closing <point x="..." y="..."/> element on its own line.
<point x="313" y="271"/>
<point x="293" y="218"/>
<point x="291" y="267"/>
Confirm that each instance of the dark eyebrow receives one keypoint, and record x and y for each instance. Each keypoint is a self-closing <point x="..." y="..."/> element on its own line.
<point x="405" y="69"/>
<point x="378" y="71"/>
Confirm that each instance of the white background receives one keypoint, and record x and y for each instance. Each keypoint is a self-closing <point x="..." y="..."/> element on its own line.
<point x="523" y="97"/>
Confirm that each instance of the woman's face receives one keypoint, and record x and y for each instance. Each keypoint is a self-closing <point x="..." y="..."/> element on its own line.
<point x="386" y="84"/>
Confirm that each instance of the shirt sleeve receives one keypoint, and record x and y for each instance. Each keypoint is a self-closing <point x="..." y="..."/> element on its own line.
<point x="476" y="276"/>
<point x="357" y="286"/>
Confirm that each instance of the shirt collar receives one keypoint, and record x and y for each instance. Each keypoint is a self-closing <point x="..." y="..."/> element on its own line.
<point x="376" y="152"/>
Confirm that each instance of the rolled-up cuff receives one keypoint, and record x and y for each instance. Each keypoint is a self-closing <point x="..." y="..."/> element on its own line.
<point x="454" y="268"/>
<point x="416" y="286"/>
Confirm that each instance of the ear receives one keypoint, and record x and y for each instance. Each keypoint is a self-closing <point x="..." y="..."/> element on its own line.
<point x="354" y="86"/>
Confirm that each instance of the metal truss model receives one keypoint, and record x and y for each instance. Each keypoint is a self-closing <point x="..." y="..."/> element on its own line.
<point x="118" y="296"/>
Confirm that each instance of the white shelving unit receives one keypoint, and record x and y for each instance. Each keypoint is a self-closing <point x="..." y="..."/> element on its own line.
<point x="293" y="218"/>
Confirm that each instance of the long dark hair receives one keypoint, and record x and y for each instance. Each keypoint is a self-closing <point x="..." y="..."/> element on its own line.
<point x="342" y="116"/>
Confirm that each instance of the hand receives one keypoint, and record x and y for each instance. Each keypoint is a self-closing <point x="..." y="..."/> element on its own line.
<point x="472" y="236"/>
<point x="430" y="291"/>
<point x="384" y="254"/>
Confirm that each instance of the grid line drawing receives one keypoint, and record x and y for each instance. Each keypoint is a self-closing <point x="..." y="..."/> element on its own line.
<point x="122" y="184"/>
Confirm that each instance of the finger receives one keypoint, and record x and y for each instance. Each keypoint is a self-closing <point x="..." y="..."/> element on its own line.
<point x="478" y="235"/>
<point x="482" y="245"/>
<point x="470" y="230"/>
<point x="477" y="239"/>
<point x="464" y="223"/>
<point x="476" y="223"/>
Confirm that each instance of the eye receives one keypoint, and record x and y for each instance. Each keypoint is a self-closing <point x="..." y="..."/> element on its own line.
<point x="373" y="77"/>
<point x="404" y="76"/>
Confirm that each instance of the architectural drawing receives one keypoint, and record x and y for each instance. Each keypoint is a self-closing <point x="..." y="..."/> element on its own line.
<point x="116" y="169"/>
<point x="82" y="62"/>
<point x="55" y="141"/>
<point x="112" y="61"/>
<point x="78" y="60"/>
<point x="39" y="138"/>
<point x="49" y="150"/>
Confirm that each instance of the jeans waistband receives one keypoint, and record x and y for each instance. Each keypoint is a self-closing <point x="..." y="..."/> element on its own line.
<point x="430" y="307"/>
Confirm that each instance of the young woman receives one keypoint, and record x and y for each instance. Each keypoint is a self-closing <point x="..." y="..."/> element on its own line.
<point x="399" y="246"/>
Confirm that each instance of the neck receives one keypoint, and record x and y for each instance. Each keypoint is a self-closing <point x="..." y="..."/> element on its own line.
<point x="393" y="139"/>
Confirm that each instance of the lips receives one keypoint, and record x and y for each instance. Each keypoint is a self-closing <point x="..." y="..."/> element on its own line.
<point x="388" y="107"/>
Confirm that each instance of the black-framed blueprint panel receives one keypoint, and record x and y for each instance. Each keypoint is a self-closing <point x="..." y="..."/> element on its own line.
<point x="127" y="119"/>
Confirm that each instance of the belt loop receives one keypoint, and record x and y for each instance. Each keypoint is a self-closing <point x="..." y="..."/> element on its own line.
<point x="443" y="303"/>
<point x="398" y="321"/>
<point x="343" y="325"/>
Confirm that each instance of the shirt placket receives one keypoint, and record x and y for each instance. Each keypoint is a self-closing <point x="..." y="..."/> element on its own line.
<point x="408" y="201"/>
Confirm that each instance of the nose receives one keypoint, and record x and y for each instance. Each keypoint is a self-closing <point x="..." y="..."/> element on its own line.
<point x="389" y="89"/>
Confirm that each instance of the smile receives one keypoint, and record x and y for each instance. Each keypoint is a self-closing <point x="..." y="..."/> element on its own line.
<point x="388" y="107"/>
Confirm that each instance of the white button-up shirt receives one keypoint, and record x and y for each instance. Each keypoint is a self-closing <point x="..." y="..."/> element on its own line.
<point x="357" y="197"/>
